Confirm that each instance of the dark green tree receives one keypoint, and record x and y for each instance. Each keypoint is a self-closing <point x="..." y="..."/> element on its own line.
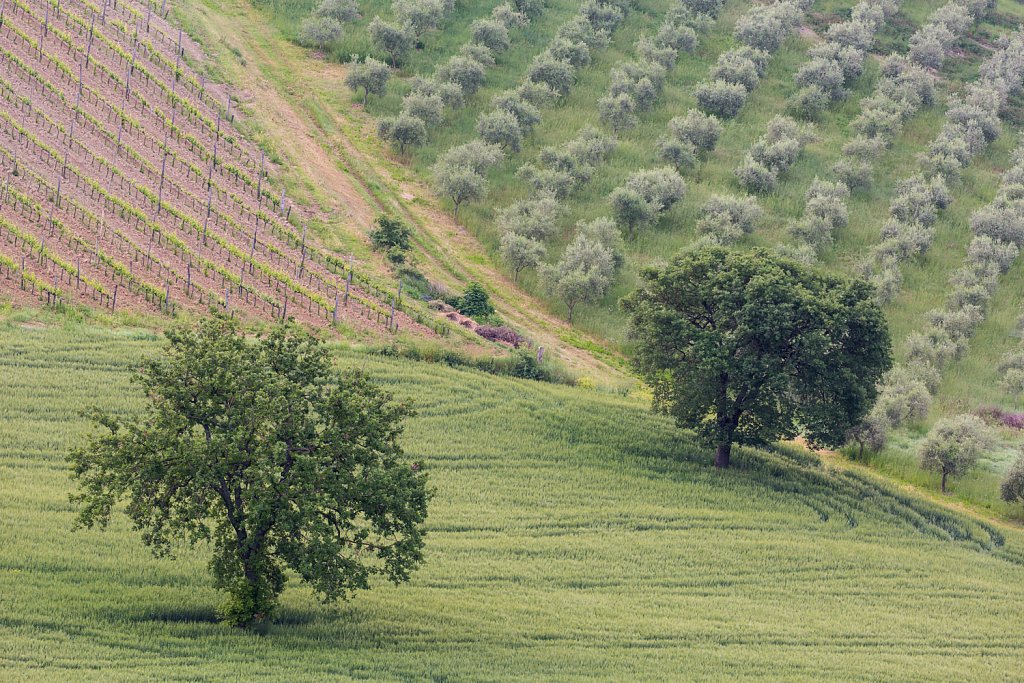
<point x="749" y="347"/>
<point x="390" y="233"/>
<point x="259" y="448"/>
<point x="475" y="302"/>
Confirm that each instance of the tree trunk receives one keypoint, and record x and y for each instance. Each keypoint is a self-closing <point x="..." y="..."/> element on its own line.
<point x="944" y="475"/>
<point x="722" y="454"/>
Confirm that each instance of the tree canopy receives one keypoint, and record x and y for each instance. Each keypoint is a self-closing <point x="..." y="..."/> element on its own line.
<point x="749" y="347"/>
<point x="260" y="449"/>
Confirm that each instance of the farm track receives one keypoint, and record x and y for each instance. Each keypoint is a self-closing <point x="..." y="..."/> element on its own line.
<point x="173" y="201"/>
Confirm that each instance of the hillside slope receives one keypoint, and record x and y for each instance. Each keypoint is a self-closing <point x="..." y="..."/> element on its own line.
<point x="574" y="536"/>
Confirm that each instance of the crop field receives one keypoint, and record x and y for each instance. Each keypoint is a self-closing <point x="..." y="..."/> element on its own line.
<point x="125" y="184"/>
<point x="573" y="536"/>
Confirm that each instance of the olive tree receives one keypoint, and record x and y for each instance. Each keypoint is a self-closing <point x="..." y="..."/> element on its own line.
<point x="954" y="445"/>
<point x="750" y="347"/>
<point x="319" y="32"/>
<point x="1012" y="487"/>
<point x="258" y="448"/>
<point x="520" y="252"/>
<point x="582" y="274"/>
<point x="500" y="128"/>
<point x="403" y="130"/>
<point x="394" y="40"/>
<point x="371" y="75"/>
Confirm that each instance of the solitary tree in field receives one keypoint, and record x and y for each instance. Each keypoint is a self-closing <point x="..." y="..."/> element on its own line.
<point x="954" y="445"/>
<point x="260" y="449"/>
<point x="749" y="347"/>
<point x="371" y="75"/>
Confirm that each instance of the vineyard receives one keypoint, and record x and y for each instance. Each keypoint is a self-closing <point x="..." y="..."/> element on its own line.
<point x="125" y="184"/>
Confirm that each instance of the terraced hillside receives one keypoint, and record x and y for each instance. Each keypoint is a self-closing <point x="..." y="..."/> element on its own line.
<point x="125" y="183"/>
<point x="574" y="536"/>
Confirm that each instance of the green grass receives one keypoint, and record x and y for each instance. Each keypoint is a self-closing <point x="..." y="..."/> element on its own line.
<point x="574" y="536"/>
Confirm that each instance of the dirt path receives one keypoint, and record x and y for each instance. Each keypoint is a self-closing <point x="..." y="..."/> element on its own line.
<point x="303" y="106"/>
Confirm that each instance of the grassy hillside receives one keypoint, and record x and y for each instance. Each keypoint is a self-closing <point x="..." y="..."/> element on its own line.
<point x="925" y="279"/>
<point x="574" y="536"/>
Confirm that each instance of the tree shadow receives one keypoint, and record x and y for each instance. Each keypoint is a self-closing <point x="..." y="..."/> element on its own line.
<point x="181" y="615"/>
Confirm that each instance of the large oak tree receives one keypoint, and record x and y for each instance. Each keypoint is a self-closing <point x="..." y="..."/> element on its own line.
<point x="749" y="347"/>
<point x="258" y="447"/>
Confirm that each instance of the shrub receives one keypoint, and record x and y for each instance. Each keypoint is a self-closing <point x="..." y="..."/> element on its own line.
<point x="464" y="72"/>
<point x="572" y="52"/>
<point x="954" y="445"/>
<point x="602" y="16"/>
<point x="1011" y="489"/>
<point x="733" y="67"/>
<point x="720" y="98"/>
<point x="824" y="74"/>
<point x="319" y="32"/>
<point x="618" y="112"/>
<point x="478" y="53"/>
<point x="420" y="15"/>
<point x="427" y="108"/>
<point x="490" y="33"/>
<point x="657" y="53"/>
<point x="928" y="46"/>
<point x="474" y="302"/>
<point x="344" y="11"/>
<point x="396" y="41"/>
<point x="631" y="210"/>
<point x="526" y="113"/>
<point x="403" y="130"/>
<point x="697" y="128"/>
<point x="764" y="27"/>
<point x="371" y="75"/>
<point x="605" y="232"/>
<point x="475" y="154"/>
<point x="681" y="154"/>
<point x="741" y="214"/>
<point x="450" y="93"/>
<point x="390" y="233"/>
<point x="662" y="187"/>
<point x="903" y="398"/>
<point x="999" y="223"/>
<point x="1011" y="373"/>
<point x="872" y="432"/>
<point x="500" y="128"/>
<point x="557" y="75"/>
<point x="914" y="202"/>
<point x="533" y="218"/>
<point x="537" y="94"/>
<point x="708" y="7"/>
<point x="642" y="82"/>
<point x="808" y="103"/>
<point x="756" y="177"/>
